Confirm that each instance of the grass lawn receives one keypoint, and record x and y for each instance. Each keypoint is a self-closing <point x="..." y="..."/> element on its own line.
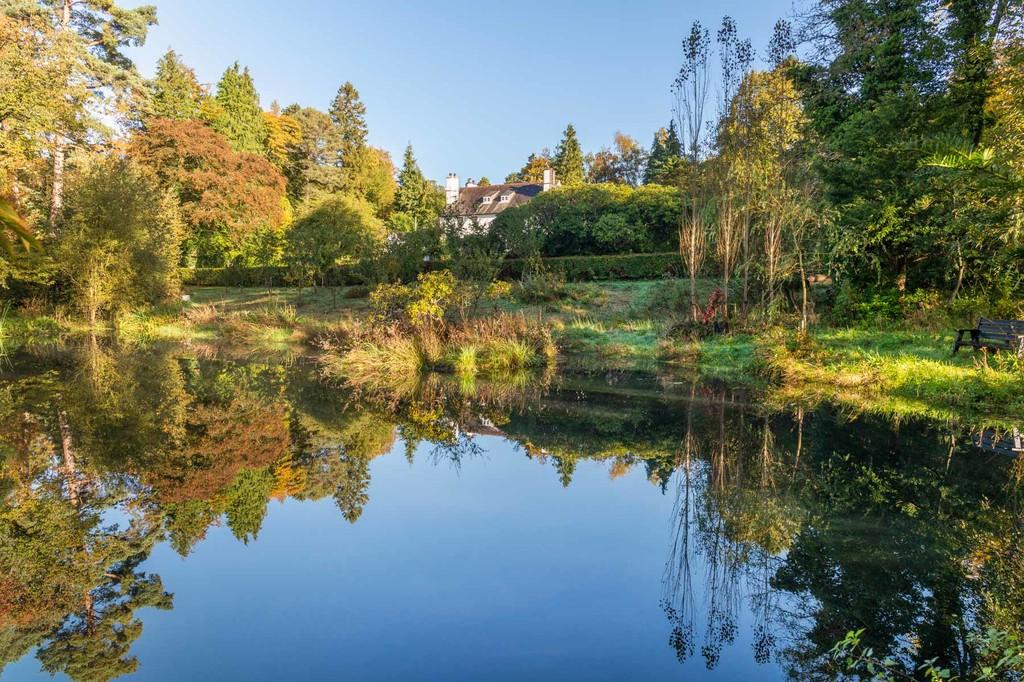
<point x="325" y="303"/>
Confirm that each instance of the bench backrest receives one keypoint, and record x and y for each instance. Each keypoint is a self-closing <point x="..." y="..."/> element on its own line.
<point x="1006" y="330"/>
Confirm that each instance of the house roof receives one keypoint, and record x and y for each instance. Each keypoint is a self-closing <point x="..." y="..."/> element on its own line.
<point x="472" y="199"/>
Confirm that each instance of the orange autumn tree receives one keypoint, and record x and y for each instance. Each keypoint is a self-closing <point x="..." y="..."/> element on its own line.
<point x="226" y="196"/>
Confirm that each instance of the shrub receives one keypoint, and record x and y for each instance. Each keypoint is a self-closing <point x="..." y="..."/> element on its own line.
<point x="615" y="234"/>
<point x="423" y="304"/>
<point x="389" y="301"/>
<point x="357" y="292"/>
<point x="572" y="268"/>
<point x="120" y="241"/>
<point x="565" y="222"/>
<point x="497" y="290"/>
<point x="541" y="285"/>
<point x="434" y="294"/>
<point x="340" y="227"/>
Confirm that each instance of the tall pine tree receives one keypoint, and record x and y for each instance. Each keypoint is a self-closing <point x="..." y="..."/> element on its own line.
<point x="176" y="91"/>
<point x="83" y="41"/>
<point x="411" y="186"/>
<point x="241" y="117"/>
<point x="568" y="159"/>
<point x="349" y="113"/>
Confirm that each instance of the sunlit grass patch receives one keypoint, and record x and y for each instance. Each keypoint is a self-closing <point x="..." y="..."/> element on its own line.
<point x="505" y="355"/>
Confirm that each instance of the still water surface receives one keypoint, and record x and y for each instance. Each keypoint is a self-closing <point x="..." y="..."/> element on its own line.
<point x="171" y="518"/>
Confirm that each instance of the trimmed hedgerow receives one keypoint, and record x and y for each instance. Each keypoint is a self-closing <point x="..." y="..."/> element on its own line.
<point x="571" y="268"/>
<point x="595" y="268"/>
<point x="261" y="277"/>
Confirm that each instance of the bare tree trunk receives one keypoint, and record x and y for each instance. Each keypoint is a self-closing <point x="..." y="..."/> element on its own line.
<point x="803" y="288"/>
<point x="57" y="188"/>
<point x="60" y="144"/>
<point x="692" y="242"/>
<point x="772" y="253"/>
<point x="746" y="264"/>
<point x="901" y="277"/>
<point x="961" y="266"/>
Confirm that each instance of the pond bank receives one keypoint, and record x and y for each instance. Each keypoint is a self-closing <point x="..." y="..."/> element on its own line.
<point x="618" y="326"/>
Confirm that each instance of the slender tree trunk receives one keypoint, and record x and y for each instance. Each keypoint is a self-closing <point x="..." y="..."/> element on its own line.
<point x="960" y="272"/>
<point x="57" y="188"/>
<point x="745" y="304"/>
<point x="803" y="288"/>
<point x="60" y="144"/>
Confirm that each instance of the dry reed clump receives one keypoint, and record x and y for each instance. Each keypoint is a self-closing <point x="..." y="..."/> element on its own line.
<point x="386" y="364"/>
<point x="237" y="328"/>
<point x="373" y="355"/>
<point x="277" y="315"/>
<point x="505" y="342"/>
<point x="200" y="315"/>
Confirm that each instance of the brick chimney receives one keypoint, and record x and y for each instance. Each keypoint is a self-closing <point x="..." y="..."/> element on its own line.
<point x="451" y="189"/>
<point x="549" y="179"/>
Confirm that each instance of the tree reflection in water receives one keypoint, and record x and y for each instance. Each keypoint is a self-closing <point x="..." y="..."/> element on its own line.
<point x="790" y="527"/>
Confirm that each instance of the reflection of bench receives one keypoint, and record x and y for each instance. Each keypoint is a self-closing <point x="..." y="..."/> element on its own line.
<point x="993" y="335"/>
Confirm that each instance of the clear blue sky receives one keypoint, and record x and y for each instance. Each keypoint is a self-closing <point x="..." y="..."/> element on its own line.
<point x="474" y="86"/>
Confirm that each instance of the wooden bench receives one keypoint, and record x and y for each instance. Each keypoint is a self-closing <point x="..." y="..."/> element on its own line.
<point x="1011" y="444"/>
<point x="993" y="335"/>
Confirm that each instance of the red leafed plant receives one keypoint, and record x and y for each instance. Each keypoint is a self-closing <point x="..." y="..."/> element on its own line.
<point x="710" y="313"/>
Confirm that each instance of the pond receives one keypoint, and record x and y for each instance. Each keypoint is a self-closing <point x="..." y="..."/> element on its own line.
<point x="170" y="517"/>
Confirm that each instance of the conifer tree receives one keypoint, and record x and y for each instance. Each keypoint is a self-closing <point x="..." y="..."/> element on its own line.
<point x="241" y="120"/>
<point x="411" y="185"/>
<point x="568" y="159"/>
<point x="656" y="158"/>
<point x="176" y="91"/>
<point x="665" y="156"/>
<point x="83" y="42"/>
<point x="673" y="146"/>
<point x="349" y="114"/>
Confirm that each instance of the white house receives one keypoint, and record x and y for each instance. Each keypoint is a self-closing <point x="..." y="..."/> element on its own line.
<point x="480" y="205"/>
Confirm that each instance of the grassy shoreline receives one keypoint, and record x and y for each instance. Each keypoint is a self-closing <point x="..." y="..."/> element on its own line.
<point x="615" y="326"/>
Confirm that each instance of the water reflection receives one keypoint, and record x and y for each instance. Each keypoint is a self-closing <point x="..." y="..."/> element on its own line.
<point x="789" y="528"/>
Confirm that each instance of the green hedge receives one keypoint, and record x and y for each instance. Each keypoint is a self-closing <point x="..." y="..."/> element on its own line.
<point x="275" y="276"/>
<point x="594" y="268"/>
<point x="574" y="268"/>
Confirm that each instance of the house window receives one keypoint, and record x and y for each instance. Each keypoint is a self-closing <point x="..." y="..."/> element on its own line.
<point x="506" y="197"/>
<point x="486" y="200"/>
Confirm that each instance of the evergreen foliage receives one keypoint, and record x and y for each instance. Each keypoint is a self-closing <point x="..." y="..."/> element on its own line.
<point x="568" y="160"/>
<point x="416" y="196"/>
<point x="241" y="120"/>
<point x="349" y="114"/>
<point x="664" y="159"/>
<point x="176" y="92"/>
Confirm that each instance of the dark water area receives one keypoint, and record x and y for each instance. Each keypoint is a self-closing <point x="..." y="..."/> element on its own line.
<point x="168" y="517"/>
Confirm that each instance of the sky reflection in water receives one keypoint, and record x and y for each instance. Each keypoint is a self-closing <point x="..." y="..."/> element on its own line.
<point x="584" y="529"/>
